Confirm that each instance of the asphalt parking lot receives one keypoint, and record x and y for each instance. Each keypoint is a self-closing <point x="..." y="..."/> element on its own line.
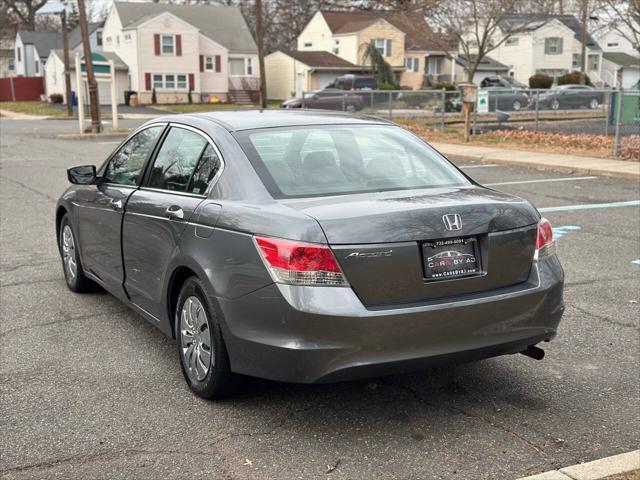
<point x="90" y="390"/>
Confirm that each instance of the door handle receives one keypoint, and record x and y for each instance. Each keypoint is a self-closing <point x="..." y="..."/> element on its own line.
<point x="175" y="212"/>
<point x="116" y="204"/>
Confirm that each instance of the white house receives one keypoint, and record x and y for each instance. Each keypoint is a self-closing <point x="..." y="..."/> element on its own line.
<point x="620" y="60"/>
<point x="31" y="49"/>
<point x="54" y="76"/>
<point x="176" y="49"/>
<point x="548" y="44"/>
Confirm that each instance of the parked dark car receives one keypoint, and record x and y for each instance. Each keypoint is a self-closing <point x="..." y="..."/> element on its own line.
<point x="308" y="247"/>
<point x="570" y="96"/>
<point x="501" y="81"/>
<point x="507" y="99"/>
<point x="354" y="82"/>
<point x="328" y="99"/>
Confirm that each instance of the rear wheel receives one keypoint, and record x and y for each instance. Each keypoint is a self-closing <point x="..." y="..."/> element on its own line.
<point x="594" y="104"/>
<point x="203" y="354"/>
<point x="555" y="104"/>
<point x="517" y="105"/>
<point x="73" y="272"/>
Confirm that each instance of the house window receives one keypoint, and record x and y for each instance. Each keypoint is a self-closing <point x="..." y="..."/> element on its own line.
<point x="170" y="81"/>
<point x="434" y="65"/>
<point x="553" y="46"/>
<point x="308" y="44"/>
<point x="127" y="37"/>
<point x="168" y="44"/>
<point x="593" y="61"/>
<point x="19" y="52"/>
<point x="412" y="64"/>
<point x="576" y="63"/>
<point x="108" y="40"/>
<point x="613" y="44"/>
<point x="383" y="46"/>
<point x="336" y="47"/>
<point x="12" y="65"/>
<point x="208" y="64"/>
<point x="512" y="41"/>
<point x="99" y="38"/>
<point x="37" y="66"/>
<point x="240" y="66"/>
<point x="118" y="40"/>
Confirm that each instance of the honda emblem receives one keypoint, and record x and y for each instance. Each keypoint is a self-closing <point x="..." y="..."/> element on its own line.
<point x="452" y="221"/>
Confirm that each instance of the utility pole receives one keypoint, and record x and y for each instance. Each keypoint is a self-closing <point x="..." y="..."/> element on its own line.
<point x="260" y="42"/>
<point x="94" y="103"/>
<point x="67" y="74"/>
<point x="583" y="56"/>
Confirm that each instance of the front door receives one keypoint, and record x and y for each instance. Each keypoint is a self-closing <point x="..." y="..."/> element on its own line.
<point x="101" y="208"/>
<point x="156" y="215"/>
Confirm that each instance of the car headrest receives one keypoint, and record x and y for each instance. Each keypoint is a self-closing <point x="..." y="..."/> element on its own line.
<point x="319" y="160"/>
<point x="380" y="166"/>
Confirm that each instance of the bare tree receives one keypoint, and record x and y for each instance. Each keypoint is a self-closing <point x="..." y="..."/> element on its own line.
<point x="25" y="11"/>
<point x="260" y="43"/>
<point x="623" y="17"/>
<point x="477" y="26"/>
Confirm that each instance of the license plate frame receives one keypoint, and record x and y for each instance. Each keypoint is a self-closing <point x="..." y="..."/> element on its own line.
<point x="438" y="263"/>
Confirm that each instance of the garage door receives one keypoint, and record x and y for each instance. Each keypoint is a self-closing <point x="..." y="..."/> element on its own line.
<point x="325" y="79"/>
<point x="104" y="93"/>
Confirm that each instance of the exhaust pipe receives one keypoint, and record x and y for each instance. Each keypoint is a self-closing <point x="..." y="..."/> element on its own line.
<point x="533" y="352"/>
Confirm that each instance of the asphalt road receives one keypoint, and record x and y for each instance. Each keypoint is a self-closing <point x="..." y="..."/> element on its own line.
<point x="90" y="390"/>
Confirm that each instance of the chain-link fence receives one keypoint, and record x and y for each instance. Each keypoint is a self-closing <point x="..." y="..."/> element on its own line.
<point x="571" y="109"/>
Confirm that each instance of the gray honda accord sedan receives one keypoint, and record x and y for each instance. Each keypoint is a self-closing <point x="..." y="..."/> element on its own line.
<point x="307" y="246"/>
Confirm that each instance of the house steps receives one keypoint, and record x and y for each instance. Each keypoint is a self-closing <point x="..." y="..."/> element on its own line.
<point x="240" y="97"/>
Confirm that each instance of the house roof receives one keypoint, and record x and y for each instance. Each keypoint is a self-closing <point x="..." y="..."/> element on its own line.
<point x="224" y="25"/>
<point x="532" y="21"/>
<point x="75" y="36"/>
<point x="487" y="64"/>
<point x="43" y="42"/>
<point x="418" y="34"/>
<point x="622" y="59"/>
<point x="118" y="63"/>
<point x="321" y="59"/>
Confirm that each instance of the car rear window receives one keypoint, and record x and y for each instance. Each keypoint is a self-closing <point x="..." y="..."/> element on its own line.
<point x="323" y="160"/>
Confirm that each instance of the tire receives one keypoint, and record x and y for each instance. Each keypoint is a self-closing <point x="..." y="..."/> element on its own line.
<point x="71" y="264"/>
<point x="351" y="108"/>
<point x="555" y="104"/>
<point x="201" y="349"/>
<point x="517" y="105"/>
<point x="594" y="104"/>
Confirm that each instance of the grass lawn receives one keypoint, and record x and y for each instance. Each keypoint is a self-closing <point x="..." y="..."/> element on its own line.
<point x="33" y="108"/>
<point x="207" y="107"/>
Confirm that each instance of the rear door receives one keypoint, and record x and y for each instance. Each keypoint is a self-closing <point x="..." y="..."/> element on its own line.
<point x="101" y="207"/>
<point x="156" y="215"/>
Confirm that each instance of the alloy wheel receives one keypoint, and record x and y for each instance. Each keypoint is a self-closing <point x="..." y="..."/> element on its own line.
<point x="195" y="339"/>
<point x="555" y="105"/>
<point x="517" y="105"/>
<point x="593" y="104"/>
<point x="68" y="248"/>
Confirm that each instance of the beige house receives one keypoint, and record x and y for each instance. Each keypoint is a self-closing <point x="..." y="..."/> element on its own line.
<point x="176" y="49"/>
<point x="408" y="45"/>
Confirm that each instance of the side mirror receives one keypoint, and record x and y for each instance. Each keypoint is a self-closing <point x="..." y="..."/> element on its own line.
<point x="82" y="175"/>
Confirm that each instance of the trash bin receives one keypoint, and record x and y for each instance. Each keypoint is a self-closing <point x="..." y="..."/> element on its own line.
<point x="74" y="98"/>
<point x="127" y="96"/>
<point x="133" y="100"/>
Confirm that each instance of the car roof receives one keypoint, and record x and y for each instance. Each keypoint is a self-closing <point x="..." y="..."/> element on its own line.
<point x="235" y="120"/>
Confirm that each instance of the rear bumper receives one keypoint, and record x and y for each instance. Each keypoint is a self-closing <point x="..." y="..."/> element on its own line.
<point x="325" y="334"/>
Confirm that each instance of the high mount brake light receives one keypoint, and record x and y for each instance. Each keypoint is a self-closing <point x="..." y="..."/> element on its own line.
<point x="299" y="263"/>
<point x="545" y="245"/>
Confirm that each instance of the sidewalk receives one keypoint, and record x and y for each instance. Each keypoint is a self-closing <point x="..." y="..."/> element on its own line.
<point x="549" y="161"/>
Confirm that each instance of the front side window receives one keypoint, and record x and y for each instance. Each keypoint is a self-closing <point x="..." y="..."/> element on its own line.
<point x="168" y="44"/>
<point x="125" y="167"/>
<point x="553" y="46"/>
<point x="323" y="160"/>
<point x="176" y="160"/>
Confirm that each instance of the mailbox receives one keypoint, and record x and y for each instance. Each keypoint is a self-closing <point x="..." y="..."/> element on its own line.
<point x="469" y="92"/>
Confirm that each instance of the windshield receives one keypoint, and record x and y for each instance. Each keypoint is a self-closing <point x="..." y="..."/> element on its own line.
<point x="335" y="160"/>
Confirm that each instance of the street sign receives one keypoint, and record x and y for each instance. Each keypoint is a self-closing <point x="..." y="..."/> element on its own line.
<point x="483" y="101"/>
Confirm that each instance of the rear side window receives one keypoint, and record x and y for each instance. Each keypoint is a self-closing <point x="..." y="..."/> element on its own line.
<point x="366" y="83"/>
<point x="207" y="168"/>
<point x="177" y="159"/>
<point x="125" y="167"/>
<point x="326" y="160"/>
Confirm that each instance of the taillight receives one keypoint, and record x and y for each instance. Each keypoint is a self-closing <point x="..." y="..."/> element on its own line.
<point x="544" y="240"/>
<point x="298" y="263"/>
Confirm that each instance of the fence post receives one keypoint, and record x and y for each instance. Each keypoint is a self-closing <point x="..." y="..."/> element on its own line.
<point x="616" y="143"/>
<point x="13" y="89"/>
<point x="372" y="102"/>
<point x="390" y="107"/>
<point x="444" y="109"/>
<point x="304" y="103"/>
<point x="606" y="106"/>
<point x="344" y="98"/>
<point x="537" y="109"/>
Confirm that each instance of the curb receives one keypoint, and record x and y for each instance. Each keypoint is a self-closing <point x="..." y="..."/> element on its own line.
<point x="596" y="470"/>
<point x="540" y="166"/>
